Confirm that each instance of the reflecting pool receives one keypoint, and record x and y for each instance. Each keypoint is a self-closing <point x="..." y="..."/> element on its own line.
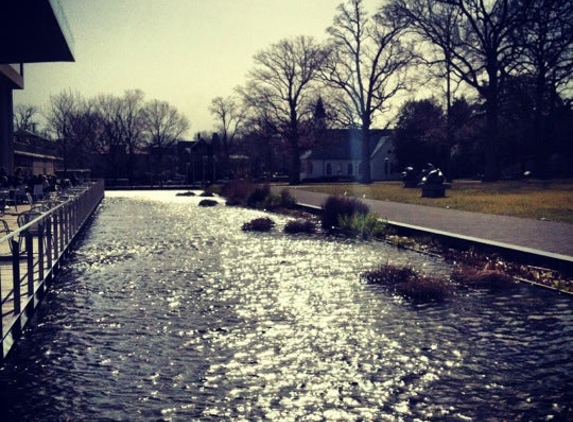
<point x="168" y="311"/>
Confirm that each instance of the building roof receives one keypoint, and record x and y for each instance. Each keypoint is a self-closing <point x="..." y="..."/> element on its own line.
<point x="34" y="31"/>
<point x="344" y="144"/>
<point x="32" y="145"/>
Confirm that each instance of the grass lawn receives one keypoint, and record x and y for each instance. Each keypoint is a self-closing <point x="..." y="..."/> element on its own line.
<point x="551" y="200"/>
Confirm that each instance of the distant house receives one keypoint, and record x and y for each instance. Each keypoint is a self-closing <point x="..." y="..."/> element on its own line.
<point x="196" y="161"/>
<point x="340" y="157"/>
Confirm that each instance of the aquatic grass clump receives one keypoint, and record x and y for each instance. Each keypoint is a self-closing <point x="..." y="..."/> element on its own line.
<point x="341" y="207"/>
<point x="258" y="195"/>
<point x="485" y="279"/>
<point x="263" y="224"/>
<point x="389" y="275"/>
<point x="364" y="225"/>
<point x="287" y="200"/>
<point x="406" y="282"/>
<point x="424" y="288"/>
<point x="300" y="226"/>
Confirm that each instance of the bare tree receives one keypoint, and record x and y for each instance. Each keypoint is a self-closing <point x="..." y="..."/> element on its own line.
<point x="62" y="116"/>
<point x="436" y="26"/>
<point x="483" y="54"/>
<point x="368" y="64"/>
<point x="86" y="128"/>
<point x="163" y="126"/>
<point x="25" y="117"/>
<point x="282" y="84"/>
<point x="129" y="117"/>
<point x="109" y="144"/>
<point x="546" y="40"/>
<point x="230" y="119"/>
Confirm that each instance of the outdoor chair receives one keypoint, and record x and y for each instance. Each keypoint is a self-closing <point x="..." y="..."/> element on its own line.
<point x="18" y="196"/>
<point x="3" y="202"/>
<point x="34" y="230"/>
<point x="5" y="231"/>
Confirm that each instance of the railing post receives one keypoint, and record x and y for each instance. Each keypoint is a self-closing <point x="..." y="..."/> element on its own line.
<point x="41" y="256"/>
<point x="49" y="240"/>
<point x="56" y="217"/>
<point x="16" y="275"/>
<point x="30" y="261"/>
<point x="63" y="230"/>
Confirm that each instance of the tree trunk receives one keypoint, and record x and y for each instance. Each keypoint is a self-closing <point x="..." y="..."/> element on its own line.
<point x="366" y="173"/>
<point x="491" y="157"/>
<point x="294" y="174"/>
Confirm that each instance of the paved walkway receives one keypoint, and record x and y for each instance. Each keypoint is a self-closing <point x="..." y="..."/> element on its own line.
<point x="545" y="238"/>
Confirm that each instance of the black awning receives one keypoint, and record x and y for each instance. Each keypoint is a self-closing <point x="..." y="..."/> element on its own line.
<point x="33" y="31"/>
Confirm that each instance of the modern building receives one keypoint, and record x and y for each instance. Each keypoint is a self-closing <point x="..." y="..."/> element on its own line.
<point x="34" y="154"/>
<point x="32" y="31"/>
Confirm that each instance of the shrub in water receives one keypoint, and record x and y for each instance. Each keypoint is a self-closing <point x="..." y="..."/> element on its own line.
<point x="263" y="224"/>
<point x="300" y="226"/>
<point x="337" y="207"/>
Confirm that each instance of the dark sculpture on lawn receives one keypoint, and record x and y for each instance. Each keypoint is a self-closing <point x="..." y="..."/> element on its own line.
<point x="431" y="179"/>
<point x="433" y="182"/>
<point x="432" y="175"/>
<point x="410" y="177"/>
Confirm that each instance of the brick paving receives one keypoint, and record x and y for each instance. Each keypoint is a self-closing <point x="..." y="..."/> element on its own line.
<point x="544" y="238"/>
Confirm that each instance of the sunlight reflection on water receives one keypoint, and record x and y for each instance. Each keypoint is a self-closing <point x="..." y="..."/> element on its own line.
<point x="169" y="311"/>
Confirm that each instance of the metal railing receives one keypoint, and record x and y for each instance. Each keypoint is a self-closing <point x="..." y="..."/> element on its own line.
<point x="31" y="255"/>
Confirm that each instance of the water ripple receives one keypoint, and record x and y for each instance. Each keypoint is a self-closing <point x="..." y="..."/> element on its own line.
<point x="171" y="312"/>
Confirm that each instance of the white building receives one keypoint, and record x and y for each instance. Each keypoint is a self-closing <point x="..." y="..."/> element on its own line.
<point x="340" y="157"/>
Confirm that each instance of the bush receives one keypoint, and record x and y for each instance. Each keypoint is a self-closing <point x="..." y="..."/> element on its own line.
<point x="300" y="226"/>
<point x="237" y="191"/>
<point x="363" y="225"/>
<point x="263" y="224"/>
<point x="337" y="207"/>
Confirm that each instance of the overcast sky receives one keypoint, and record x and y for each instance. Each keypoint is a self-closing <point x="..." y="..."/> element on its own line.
<point x="185" y="52"/>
